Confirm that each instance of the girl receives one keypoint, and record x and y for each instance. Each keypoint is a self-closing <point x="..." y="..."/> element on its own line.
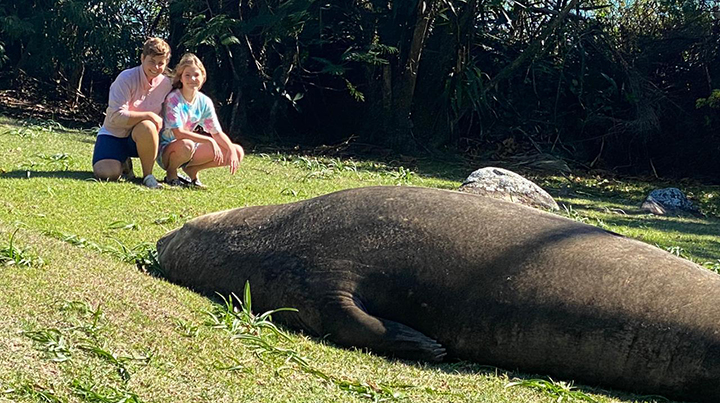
<point x="185" y="109"/>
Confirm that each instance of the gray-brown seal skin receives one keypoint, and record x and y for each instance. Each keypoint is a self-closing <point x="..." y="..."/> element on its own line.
<point x="423" y="274"/>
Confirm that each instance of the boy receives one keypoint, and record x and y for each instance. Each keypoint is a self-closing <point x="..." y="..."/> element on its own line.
<point x="132" y="119"/>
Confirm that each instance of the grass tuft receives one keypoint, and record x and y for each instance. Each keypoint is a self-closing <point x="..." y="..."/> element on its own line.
<point x="103" y="394"/>
<point x="236" y="365"/>
<point x="118" y="361"/>
<point x="242" y="321"/>
<point x="14" y="255"/>
<point x="35" y="392"/>
<point x="249" y="328"/>
<point x="169" y="219"/>
<point x="52" y="342"/>
<point x="75" y="240"/>
<point x="561" y="391"/>
<point x="147" y="262"/>
<point x="124" y="225"/>
<point x="185" y="328"/>
<point x="97" y="318"/>
<point x="62" y="159"/>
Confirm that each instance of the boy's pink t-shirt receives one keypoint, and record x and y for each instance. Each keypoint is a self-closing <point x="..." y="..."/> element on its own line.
<point x="131" y="91"/>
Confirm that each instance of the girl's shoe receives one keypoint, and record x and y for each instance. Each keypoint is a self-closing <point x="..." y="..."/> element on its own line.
<point x="197" y="184"/>
<point x="184" y="178"/>
<point x="175" y="182"/>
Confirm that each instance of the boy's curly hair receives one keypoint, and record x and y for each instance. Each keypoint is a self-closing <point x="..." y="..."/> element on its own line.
<point x="156" y="47"/>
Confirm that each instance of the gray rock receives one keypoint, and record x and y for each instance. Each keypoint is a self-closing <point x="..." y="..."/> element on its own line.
<point x="507" y="185"/>
<point x="669" y="201"/>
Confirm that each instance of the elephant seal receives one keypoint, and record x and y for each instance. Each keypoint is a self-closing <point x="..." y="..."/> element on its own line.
<point x="429" y="274"/>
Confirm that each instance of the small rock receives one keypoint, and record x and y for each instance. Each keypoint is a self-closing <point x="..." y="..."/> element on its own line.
<point x="669" y="201"/>
<point x="507" y="185"/>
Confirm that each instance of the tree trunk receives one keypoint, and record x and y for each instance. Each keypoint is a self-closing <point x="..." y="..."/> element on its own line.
<point x="177" y="25"/>
<point x="74" y="85"/>
<point x="401" y="137"/>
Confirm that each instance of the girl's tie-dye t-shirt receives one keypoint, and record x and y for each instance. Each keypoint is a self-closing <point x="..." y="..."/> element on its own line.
<point x="180" y="114"/>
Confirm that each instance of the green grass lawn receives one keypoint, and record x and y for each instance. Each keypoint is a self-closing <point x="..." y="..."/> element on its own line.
<point x="88" y="326"/>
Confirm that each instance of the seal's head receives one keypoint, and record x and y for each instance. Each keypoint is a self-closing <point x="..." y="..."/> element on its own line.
<point x="165" y="247"/>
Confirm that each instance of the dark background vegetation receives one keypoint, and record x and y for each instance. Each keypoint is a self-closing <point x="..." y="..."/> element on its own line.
<point x="628" y="86"/>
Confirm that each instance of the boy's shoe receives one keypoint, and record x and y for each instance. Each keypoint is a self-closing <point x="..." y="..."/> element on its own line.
<point x="151" y="182"/>
<point x="127" y="169"/>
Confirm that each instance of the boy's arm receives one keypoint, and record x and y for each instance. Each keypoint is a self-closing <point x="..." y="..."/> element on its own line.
<point x="119" y="111"/>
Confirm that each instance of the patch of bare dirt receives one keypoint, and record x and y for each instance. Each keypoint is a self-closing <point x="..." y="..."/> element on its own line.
<point x="25" y="97"/>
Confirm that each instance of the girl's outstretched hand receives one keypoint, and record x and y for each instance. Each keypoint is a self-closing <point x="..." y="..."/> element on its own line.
<point x="235" y="158"/>
<point x="217" y="152"/>
<point x="234" y="163"/>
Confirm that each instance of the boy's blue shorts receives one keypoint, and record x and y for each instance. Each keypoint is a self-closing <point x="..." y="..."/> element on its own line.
<point x="114" y="148"/>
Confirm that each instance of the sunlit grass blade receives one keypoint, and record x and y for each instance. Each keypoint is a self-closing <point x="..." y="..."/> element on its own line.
<point x="98" y="394"/>
<point x="114" y="359"/>
<point x="35" y="392"/>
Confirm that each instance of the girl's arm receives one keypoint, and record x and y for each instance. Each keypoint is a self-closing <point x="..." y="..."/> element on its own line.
<point x="224" y="141"/>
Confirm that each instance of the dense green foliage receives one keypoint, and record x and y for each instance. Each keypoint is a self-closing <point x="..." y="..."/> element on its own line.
<point x="607" y="84"/>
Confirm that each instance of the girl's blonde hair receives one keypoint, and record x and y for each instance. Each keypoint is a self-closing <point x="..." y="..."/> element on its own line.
<point x="187" y="60"/>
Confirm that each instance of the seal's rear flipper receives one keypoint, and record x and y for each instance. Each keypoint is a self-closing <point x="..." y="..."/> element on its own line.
<point x="350" y="325"/>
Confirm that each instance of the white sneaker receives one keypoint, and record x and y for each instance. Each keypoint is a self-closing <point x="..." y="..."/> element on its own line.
<point x="151" y="182"/>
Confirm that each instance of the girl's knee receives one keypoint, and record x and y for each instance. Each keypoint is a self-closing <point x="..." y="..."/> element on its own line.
<point x="178" y="152"/>
<point x="188" y="146"/>
<point x="240" y="151"/>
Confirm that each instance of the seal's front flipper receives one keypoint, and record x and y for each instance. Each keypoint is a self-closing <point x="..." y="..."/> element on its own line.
<point x="349" y="325"/>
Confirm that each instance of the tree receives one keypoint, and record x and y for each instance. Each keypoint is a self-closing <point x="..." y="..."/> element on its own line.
<point x="63" y="40"/>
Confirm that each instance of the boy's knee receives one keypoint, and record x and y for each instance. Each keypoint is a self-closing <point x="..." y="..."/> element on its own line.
<point x="107" y="170"/>
<point x="146" y="128"/>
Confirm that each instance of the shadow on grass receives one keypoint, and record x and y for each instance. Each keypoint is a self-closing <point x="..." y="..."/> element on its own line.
<point x="461" y="367"/>
<point x="466" y="367"/>
<point x="59" y="174"/>
<point x="441" y="166"/>
<point x="632" y="216"/>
